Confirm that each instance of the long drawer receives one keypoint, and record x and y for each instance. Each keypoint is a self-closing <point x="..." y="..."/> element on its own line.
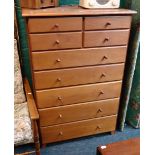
<point x="77" y="112"/>
<point x="49" y="41"/>
<point x="79" y="57"/>
<point x="78" y="129"/>
<point x="107" y="22"/>
<point x="106" y="38"/>
<point x="54" y="24"/>
<point x="77" y="76"/>
<point x="77" y="94"/>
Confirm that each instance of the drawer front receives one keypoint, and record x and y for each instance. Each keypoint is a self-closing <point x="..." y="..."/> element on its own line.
<point x="55" y="41"/>
<point x="77" y="112"/>
<point x="54" y="24"/>
<point x="77" y="94"/>
<point x="78" y="129"/>
<point x="106" y="38"/>
<point x="70" y="77"/>
<point x="107" y="22"/>
<point x="79" y="57"/>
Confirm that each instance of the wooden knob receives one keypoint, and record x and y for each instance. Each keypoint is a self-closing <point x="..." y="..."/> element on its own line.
<point x="59" y="79"/>
<point x="101" y="92"/>
<point x="100" y="110"/>
<point x="61" y="133"/>
<point x="57" y="42"/>
<point x="98" y="127"/>
<point x="102" y="75"/>
<point x="105" y="40"/>
<point x="104" y="58"/>
<point x="56" y="25"/>
<point x="60" y="99"/>
<point x="58" y="60"/>
<point x="60" y="116"/>
<point x="107" y="24"/>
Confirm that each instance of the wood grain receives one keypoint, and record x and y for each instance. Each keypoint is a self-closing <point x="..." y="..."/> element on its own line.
<point x="77" y="94"/>
<point x="33" y="111"/>
<point x="54" y="24"/>
<point x="78" y="129"/>
<point x="55" y="41"/>
<point x="74" y="11"/>
<point x="107" y="22"/>
<point x="127" y="147"/>
<point x="77" y="112"/>
<point x="70" y="77"/>
<point x="106" y="38"/>
<point x="79" y="57"/>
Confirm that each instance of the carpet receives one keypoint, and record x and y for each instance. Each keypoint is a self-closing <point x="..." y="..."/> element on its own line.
<point x="85" y="145"/>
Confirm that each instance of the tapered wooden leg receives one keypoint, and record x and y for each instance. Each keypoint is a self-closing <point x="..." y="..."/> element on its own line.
<point x="36" y="137"/>
<point x="113" y="132"/>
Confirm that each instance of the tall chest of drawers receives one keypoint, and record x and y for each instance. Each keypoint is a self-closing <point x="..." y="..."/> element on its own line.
<point x="77" y="62"/>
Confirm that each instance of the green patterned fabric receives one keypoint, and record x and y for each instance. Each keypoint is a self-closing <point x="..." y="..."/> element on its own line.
<point x="130" y="64"/>
<point x="133" y="112"/>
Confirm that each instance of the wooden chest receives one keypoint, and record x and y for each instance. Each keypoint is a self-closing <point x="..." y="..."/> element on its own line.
<point x="77" y="62"/>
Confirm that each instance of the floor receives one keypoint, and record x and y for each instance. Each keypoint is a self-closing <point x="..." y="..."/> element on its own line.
<point x="83" y="146"/>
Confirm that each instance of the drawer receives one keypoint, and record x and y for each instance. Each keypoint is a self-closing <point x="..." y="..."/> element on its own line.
<point x="107" y="22"/>
<point x="79" y="57"/>
<point x="77" y="94"/>
<point x="77" y="112"/>
<point x="54" y="24"/>
<point x="106" y="38"/>
<point x="78" y="129"/>
<point x="70" y="77"/>
<point x="49" y="41"/>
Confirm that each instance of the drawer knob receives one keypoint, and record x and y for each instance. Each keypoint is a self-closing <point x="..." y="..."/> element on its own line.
<point x="104" y="58"/>
<point x="60" y="116"/>
<point x="102" y="75"/>
<point x="59" y="79"/>
<point x="101" y="92"/>
<point x="60" y="99"/>
<point x="61" y="133"/>
<point x="58" y="60"/>
<point x="56" y="25"/>
<point x="105" y="40"/>
<point x="100" y="110"/>
<point x="98" y="127"/>
<point x="57" y="42"/>
<point x="107" y="24"/>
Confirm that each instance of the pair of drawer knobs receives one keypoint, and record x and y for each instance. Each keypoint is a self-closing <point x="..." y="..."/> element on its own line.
<point x="104" y="41"/>
<point x="60" y="98"/>
<point x="106" y="25"/>
<point x="99" y="110"/>
<point x="103" y="58"/>
<point x="98" y="127"/>
<point x="59" y="79"/>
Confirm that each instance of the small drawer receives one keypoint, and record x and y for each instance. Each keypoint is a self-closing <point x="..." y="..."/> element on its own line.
<point x="79" y="57"/>
<point x="70" y="77"/>
<point x="107" y="22"/>
<point x="77" y="94"/>
<point x="54" y="24"/>
<point x="55" y="41"/>
<point x="77" y="112"/>
<point x="78" y="129"/>
<point x="106" y="38"/>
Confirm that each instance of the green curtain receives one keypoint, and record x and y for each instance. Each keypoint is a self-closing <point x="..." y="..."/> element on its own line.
<point x="130" y="64"/>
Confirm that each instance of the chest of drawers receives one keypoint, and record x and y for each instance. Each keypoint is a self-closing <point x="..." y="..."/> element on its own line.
<point x="77" y="62"/>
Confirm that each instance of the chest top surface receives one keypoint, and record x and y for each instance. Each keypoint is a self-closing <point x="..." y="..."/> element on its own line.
<point x="74" y="11"/>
